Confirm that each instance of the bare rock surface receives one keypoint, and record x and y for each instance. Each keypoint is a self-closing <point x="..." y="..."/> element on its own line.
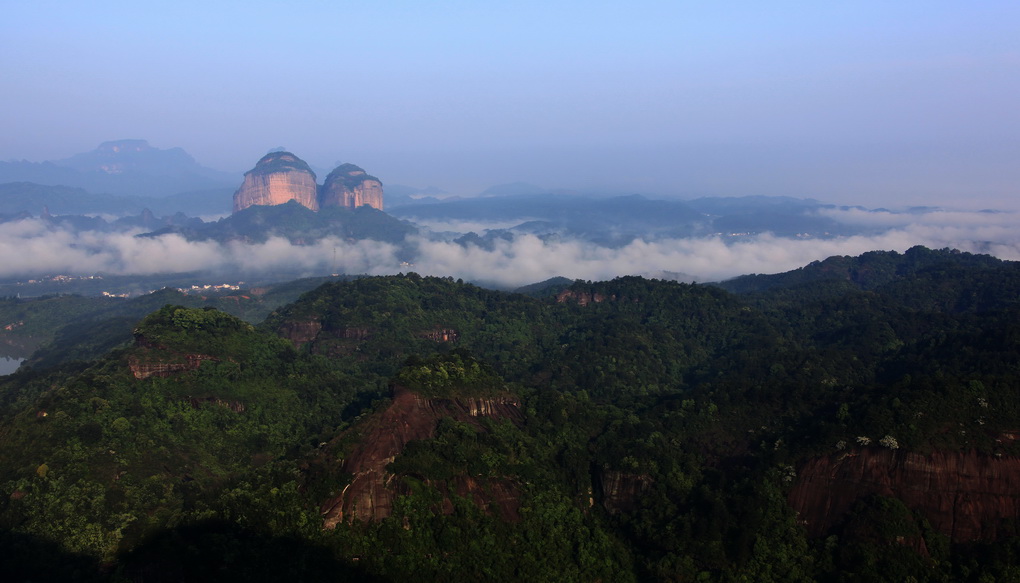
<point x="964" y="495"/>
<point x="278" y="178"/>
<point x="349" y="186"/>
<point x="372" y="490"/>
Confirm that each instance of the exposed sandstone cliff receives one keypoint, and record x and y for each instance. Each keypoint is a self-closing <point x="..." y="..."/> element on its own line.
<point x="349" y="186"/>
<point x="278" y="178"/>
<point x="621" y="491"/>
<point x="372" y="490"/>
<point x="582" y="298"/>
<point x="300" y="332"/>
<point x="966" y="496"/>
<point x="343" y="340"/>
<point x="439" y="334"/>
<point x="155" y="360"/>
<point x="330" y="342"/>
<point x="143" y="368"/>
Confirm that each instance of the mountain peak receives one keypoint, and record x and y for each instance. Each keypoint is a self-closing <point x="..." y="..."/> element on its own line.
<point x="350" y="186"/>
<point x="277" y="178"/>
<point x="280" y="176"/>
<point x="280" y="161"/>
<point x="118" y="146"/>
<point x="133" y="157"/>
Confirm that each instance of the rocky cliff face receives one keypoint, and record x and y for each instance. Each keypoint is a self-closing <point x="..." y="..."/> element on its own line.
<point x="963" y="495"/>
<point x="300" y="332"/>
<point x="345" y="339"/>
<point x="621" y="491"/>
<point x="349" y="186"/>
<point x="329" y="342"/>
<point x="143" y="368"/>
<point x="279" y="177"/>
<point x="154" y="360"/>
<point x="582" y="298"/>
<point x="372" y="490"/>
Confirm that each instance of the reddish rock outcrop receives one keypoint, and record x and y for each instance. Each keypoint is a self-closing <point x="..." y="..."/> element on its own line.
<point x="441" y="335"/>
<point x="582" y="298"/>
<point x="330" y="341"/>
<point x="278" y="178"/>
<point x="372" y="490"/>
<point x="155" y="360"/>
<point x="300" y="332"/>
<point x="349" y="186"/>
<point x="354" y="333"/>
<point x="963" y="495"/>
<point x="621" y="490"/>
<point x="143" y="368"/>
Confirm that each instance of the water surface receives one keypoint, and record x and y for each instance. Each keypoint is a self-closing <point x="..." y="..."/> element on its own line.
<point x="9" y="365"/>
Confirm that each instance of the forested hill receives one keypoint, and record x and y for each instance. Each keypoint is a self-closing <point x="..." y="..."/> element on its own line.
<point x="878" y="269"/>
<point x="853" y="420"/>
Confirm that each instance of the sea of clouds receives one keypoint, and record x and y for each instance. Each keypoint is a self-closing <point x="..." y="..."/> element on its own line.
<point x="35" y="247"/>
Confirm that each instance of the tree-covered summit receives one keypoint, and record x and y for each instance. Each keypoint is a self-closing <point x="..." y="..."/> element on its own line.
<point x="449" y="376"/>
<point x="870" y="270"/>
<point x="350" y="175"/>
<point x="280" y="162"/>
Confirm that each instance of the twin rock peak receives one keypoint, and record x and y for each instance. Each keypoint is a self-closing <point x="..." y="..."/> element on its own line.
<point x="280" y="177"/>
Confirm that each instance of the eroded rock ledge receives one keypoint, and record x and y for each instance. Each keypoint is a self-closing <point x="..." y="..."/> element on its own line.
<point x="582" y="298"/>
<point x="372" y="490"/>
<point x="963" y="495"/>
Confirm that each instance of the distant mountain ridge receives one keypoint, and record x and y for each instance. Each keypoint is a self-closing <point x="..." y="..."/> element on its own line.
<point x="869" y="271"/>
<point x="617" y="221"/>
<point x="32" y="198"/>
<point x="121" y="167"/>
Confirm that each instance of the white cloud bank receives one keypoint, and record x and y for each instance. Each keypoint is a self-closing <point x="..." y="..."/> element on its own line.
<point x="31" y="247"/>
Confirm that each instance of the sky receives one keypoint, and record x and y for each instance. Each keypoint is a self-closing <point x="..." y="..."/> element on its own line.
<point x="870" y="102"/>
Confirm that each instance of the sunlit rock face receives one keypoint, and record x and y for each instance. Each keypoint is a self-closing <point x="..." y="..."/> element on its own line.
<point x="279" y="177"/>
<point x="349" y="186"/>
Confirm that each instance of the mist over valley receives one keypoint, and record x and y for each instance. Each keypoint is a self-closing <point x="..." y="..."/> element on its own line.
<point x="509" y="236"/>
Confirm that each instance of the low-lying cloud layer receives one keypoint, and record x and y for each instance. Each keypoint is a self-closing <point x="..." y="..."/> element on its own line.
<point x="33" y="247"/>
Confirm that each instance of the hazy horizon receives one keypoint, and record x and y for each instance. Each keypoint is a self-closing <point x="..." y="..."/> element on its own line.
<point x="874" y="104"/>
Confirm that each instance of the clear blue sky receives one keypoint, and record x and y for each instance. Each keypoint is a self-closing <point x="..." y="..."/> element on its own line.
<point x="878" y="103"/>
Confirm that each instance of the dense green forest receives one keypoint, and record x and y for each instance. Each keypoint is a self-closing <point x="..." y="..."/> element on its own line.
<point x="628" y="430"/>
<point x="65" y="327"/>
